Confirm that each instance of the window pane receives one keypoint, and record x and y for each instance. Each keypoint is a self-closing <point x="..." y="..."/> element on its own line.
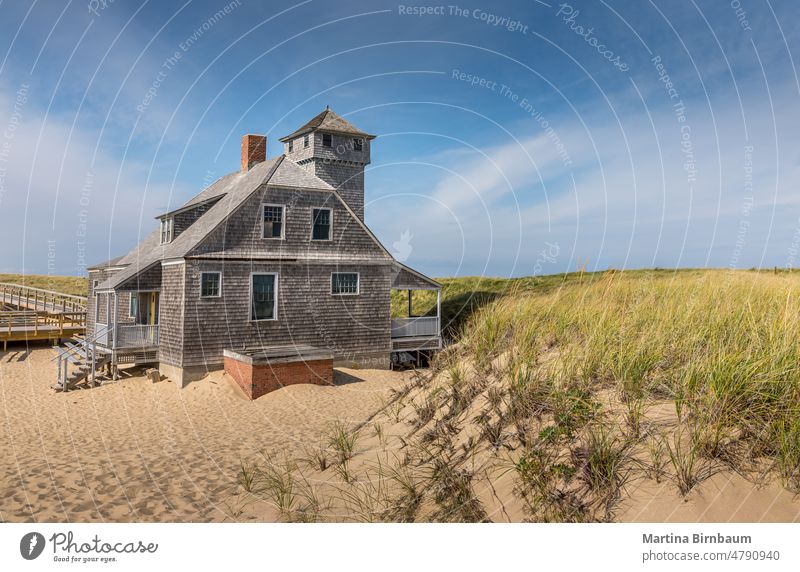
<point x="326" y="140"/>
<point x="209" y="284"/>
<point x="357" y="145"/>
<point x="273" y="221"/>
<point x="322" y="224"/>
<point x="291" y="146"/>
<point x="263" y="297"/>
<point x="305" y="141"/>
<point x="344" y="283"/>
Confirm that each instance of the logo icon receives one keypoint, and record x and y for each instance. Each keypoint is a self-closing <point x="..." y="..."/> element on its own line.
<point x="31" y="545"/>
<point x="402" y="247"/>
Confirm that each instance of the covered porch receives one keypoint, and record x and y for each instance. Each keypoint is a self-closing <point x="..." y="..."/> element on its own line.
<point x="415" y="332"/>
<point x="126" y="325"/>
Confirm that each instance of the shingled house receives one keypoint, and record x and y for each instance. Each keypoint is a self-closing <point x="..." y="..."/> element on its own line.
<point x="274" y="254"/>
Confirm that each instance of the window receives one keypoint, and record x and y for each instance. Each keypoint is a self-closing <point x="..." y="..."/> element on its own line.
<point x="166" y="230"/>
<point x="291" y="146"/>
<point x="305" y="141"/>
<point x="95" y="283"/>
<point x="273" y="221"/>
<point x="358" y="144"/>
<point x="210" y="284"/>
<point x="133" y="307"/>
<point x="327" y="140"/>
<point x="344" y="283"/>
<point x="263" y="297"/>
<point x="321" y="223"/>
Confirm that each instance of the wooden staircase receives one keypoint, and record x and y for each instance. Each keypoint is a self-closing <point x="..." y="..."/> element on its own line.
<point x="79" y="362"/>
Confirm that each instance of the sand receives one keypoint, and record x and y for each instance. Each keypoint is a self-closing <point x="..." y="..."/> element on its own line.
<point x="135" y="451"/>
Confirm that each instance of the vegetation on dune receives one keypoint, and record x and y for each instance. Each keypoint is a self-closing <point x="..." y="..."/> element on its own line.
<point x="75" y="285"/>
<point x="575" y="387"/>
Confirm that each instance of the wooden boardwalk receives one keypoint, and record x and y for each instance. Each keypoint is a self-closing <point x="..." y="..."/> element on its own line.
<point x="30" y="314"/>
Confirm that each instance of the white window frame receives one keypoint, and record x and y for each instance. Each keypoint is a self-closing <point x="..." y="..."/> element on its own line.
<point x="330" y="226"/>
<point x="274" y="317"/>
<point x="290" y="145"/>
<point x="168" y="224"/>
<point x="283" y="222"/>
<point x="219" y="293"/>
<point x="306" y="141"/>
<point x="97" y="307"/>
<point x="358" y="285"/>
<point x="133" y="296"/>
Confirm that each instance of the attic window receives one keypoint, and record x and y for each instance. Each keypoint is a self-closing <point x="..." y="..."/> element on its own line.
<point x="327" y="140"/>
<point x="358" y="144"/>
<point x="321" y="224"/>
<point x="291" y="146"/>
<point x="166" y="230"/>
<point x="273" y="221"/>
<point x="305" y="141"/>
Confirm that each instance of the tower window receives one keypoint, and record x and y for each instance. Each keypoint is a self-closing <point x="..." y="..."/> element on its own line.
<point x="166" y="230"/>
<point x="327" y="140"/>
<point x="305" y="141"/>
<point x="358" y="144"/>
<point x="291" y="146"/>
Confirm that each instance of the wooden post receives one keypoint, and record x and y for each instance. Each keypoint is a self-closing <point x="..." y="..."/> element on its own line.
<point x="438" y="312"/>
<point x="409" y="303"/>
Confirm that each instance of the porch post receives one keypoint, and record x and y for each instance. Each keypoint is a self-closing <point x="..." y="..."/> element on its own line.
<point x="114" y="329"/>
<point x="409" y="304"/>
<point x="439" y="312"/>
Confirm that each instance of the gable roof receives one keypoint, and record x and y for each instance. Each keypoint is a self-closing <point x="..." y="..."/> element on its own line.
<point x="329" y="120"/>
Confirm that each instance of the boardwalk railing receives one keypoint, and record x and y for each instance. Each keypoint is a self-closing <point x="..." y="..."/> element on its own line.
<point x="415" y="327"/>
<point x="40" y="300"/>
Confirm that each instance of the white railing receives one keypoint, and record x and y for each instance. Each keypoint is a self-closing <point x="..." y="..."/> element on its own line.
<point x="415" y="327"/>
<point x="137" y="336"/>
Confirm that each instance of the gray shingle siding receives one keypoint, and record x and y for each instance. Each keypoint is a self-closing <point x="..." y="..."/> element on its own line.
<point x="307" y="312"/>
<point x="171" y="315"/>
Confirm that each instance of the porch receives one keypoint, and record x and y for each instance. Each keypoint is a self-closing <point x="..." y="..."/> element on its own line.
<point x="129" y="331"/>
<point x="416" y="332"/>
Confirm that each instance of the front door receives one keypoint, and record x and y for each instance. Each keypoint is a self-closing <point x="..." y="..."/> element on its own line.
<point x="147" y="313"/>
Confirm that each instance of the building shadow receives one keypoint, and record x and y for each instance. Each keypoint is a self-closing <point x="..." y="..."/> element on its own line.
<point x="342" y="378"/>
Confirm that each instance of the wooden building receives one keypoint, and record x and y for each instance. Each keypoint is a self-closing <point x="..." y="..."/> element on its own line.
<point x="276" y="253"/>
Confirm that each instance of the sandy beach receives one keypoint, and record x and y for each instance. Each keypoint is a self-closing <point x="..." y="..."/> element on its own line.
<point x="143" y="452"/>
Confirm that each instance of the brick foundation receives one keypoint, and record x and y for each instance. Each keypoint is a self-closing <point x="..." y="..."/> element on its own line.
<point x="257" y="379"/>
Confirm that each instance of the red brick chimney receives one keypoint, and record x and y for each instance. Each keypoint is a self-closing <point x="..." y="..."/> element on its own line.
<point x="254" y="151"/>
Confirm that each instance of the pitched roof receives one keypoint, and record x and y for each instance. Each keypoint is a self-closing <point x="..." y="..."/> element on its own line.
<point x="236" y="189"/>
<point x="329" y="120"/>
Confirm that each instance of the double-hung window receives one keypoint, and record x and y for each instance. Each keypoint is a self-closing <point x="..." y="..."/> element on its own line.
<point x="273" y="221"/>
<point x="263" y="297"/>
<point x="305" y="141"/>
<point x="166" y="230"/>
<point x="321" y="224"/>
<point x="210" y="284"/>
<point x="345" y="283"/>
<point x="291" y="146"/>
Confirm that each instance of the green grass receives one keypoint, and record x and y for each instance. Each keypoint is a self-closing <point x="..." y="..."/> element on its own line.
<point x="75" y="285"/>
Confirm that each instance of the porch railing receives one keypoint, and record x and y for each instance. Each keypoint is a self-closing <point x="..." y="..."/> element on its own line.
<point x="103" y="334"/>
<point x="415" y="327"/>
<point x="137" y="335"/>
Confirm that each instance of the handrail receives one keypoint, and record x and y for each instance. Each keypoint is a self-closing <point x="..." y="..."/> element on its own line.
<point x="82" y="299"/>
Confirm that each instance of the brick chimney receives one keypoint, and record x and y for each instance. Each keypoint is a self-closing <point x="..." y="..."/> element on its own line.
<point x="254" y="151"/>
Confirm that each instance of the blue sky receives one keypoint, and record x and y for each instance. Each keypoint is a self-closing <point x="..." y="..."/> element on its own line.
<point x="515" y="138"/>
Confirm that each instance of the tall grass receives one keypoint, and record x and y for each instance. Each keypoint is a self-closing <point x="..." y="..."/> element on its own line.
<point x="725" y="346"/>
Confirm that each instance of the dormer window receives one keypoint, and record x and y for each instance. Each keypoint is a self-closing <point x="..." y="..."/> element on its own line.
<point x="166" y="230"/>
<point x="327" y="140"/>
<point x="358" y="144"/>
<point x="291" y="146"/>
<point x="305" y="141"/>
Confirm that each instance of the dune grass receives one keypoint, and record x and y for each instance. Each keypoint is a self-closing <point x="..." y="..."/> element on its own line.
<point x="75" y="285"/>
<point x="577" y="386"/>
